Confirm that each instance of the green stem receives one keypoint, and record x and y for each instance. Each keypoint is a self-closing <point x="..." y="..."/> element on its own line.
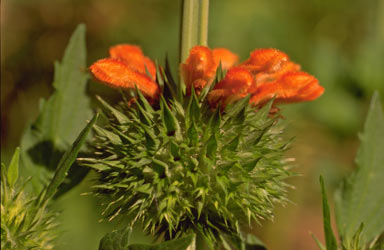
<point x="188" y="28"/>
<point x="194" y="27"/>
<point x="204" y="14"/>
<point x="194" y="31"/>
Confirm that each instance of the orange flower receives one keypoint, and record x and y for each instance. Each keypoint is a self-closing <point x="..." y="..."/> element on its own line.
<point x="126" y="68"/>
<point x="238" y="82"/>
<point x="200" y="67"/>
<point x="291" y="87"/>
<point x="273" y="76"/>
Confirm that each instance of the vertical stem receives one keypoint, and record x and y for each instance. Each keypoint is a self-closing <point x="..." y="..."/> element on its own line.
<point x="188" y="28"/>
<point x="194" y="31"/>
<point x="194" y="27"/>
<point x="204" y="14"/>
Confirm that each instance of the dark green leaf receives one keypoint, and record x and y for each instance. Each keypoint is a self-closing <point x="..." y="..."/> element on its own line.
<point x="170" y="122"/>
<point x="330" y="240"/>
<point x="120" y="240"/>
<point x="192" y="134"/>
<point x="151" y="142"/>
<point x="193" y="110"/>
<point x="179" y="244"/>
<point x="67" y="160"/>
<point x="234" y="109"/>
<point x="13" y="169"/>
<point x="61" y="117"/>
<point x="144" y="103"/>
<point x="250" y="165"/>
<point x="211" y="147"/>
<point x="159" y="167"/>
<point x="253" y="243"/>
<point x="264" y="111"/>
<point x="213" y="125"/>
<point x="232" y="145"/>
<point x="166" y="78"/>
<point x="361" y="199"/>
<point x="116" y="240"/>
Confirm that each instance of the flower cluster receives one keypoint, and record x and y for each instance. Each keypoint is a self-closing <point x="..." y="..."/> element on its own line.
<point x="184" y="166"/>
<point x="267" y="74"/>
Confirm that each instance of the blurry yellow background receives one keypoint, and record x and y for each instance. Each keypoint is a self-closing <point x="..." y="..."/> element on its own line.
<point x="341" y="42"/>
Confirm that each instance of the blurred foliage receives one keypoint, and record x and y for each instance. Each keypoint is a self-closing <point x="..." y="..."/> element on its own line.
<point x="340" y="42"/>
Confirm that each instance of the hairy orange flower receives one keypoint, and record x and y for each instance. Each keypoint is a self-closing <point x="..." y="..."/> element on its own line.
<point x="127" y="67"/>
<point x="200" y="67"/>
<point x="238" y="82"/>
<point x="273" y="76"/>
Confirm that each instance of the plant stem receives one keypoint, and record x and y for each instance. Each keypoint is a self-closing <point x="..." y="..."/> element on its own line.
<point x="194" y="27"/>
<point x="194" y="30"/>
<point x="204" y="14"/>
<point x="188" y="28"/>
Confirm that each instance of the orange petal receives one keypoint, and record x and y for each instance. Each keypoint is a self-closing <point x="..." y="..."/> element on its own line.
<point x="216" y="95"/>
<point x="237" y="80"/>
<point x="266" y="60"/>
<point x="263" y="78"/>
<point x="134" y="58"/>
<point x="116" y="73"/>
<point x="225" y="57"/>
<point x="237" y="84"/>
<point x="291" y="87"/>
<point x="199" y="69"/>
<point x="298" y="87"/>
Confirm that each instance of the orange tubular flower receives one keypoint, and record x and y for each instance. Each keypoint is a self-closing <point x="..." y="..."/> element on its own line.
<point x="238" y="82"/>
<point x="200" y="67"/>
<point x="127" y="67"/>
<point x="274" y="76"/>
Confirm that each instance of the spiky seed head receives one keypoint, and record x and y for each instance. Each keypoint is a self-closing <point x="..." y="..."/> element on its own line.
<point x="185" y="167"/>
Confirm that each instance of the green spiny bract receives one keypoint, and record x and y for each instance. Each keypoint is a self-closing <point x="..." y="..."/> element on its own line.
<point x="25" y="222"/>
<point x="186" y="167"/>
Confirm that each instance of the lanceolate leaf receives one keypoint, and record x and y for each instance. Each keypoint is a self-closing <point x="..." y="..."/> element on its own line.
<point x="361" y="198"/>
<point x="169" y="120"/>
<point x="61" y="117"/>
<point x="67" y="160"/>
<point x="121" y="240"/>
<point x="330" y="240"/>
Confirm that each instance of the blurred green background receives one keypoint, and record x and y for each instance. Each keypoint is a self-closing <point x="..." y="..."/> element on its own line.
<point x="340" y="42"/>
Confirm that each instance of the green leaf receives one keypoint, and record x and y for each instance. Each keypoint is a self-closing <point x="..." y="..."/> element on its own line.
<point x="242" y="242"/>
<point x="151" y="142"/>
<point x="121" y="240"/>
<point x="253" y="243"/>
<point x="120" y="117"/>
<point x="169" y="120"/>
<point x="192" y="134"/>
<point x="144" y="103"/>
<point x="318" y="243"/>
<point x="116" y="240"/>
<point x="361" y="199"/>
<point x="179" y="244"/>
<point x="211" y="147"/>
<point x="61" y="117"/>
<point x="330" y="240"/>
<point x="67" y="160"/>
<point x="193" y="110"/>
<point x="235" y="109"/>
<point x="13" y="169"/>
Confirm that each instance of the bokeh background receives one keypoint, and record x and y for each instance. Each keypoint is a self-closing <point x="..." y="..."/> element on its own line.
<point x="341" y="42"/>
